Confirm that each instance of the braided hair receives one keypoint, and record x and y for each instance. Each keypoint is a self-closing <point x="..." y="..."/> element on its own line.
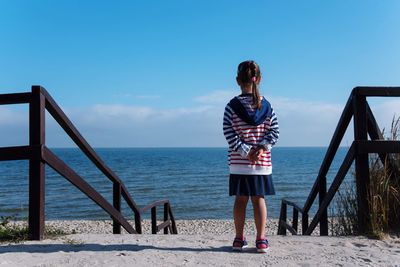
<point x="249" y="74"/>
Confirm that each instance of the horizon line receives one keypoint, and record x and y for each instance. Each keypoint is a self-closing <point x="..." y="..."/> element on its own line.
<point x="163" y="147"/>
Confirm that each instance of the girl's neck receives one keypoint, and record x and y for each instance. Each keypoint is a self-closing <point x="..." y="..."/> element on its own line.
<point x="246" y="90"/>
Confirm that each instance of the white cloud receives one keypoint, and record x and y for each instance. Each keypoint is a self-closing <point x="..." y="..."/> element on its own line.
<point x="384" y="110"/>
<point x="117" y="111"/>
<point x="290" y="106"/>
<point x="306" y="123"/>
<point x="14" y="128"/>
<point x="216" y="97"/>
<point x="302" y="123"/>
<point x="10" y="116"/>
<point x="126" y="125"/>
<point x="140" y="113"/>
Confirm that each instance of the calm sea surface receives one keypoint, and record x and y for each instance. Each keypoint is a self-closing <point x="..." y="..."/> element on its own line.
<point x="195" y="180"/>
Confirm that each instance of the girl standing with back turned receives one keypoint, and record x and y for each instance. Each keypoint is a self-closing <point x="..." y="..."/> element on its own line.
<point x="251" y="129"/>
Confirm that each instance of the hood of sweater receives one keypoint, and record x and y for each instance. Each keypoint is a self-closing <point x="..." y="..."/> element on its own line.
<point x="252" y="117"/>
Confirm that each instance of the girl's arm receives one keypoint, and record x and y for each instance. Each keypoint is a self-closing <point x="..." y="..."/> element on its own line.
<point x="231" y="136"/>
<point x="272" y="134"/>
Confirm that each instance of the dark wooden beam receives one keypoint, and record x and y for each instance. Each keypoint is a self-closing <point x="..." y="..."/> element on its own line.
<point x="304" y="223"/>
<point x="282" y="219"/>
<point x="287" y="226"/>
<point x="20" y="153"/>
<point x="154" y="220"/>
<point x="166" y="211"/>
<point x="361" y="163"/>
<point x="18" y="98"/>
<point x="172" y="218"/>
<point x="36" y="166"/>
<point x="378" y="146"/>
<point x="164" y="226"/>
<point x="323" y="222"/>
<point x="372" y="91"/>
<point x="295" y="221"/>
<point x="117" y="206"/>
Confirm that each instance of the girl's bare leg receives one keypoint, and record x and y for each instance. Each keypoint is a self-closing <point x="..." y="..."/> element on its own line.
<point x="239" y="214"/>
<point x="260" y="215"/>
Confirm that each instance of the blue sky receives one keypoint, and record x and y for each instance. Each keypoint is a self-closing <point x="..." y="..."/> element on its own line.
<point x="159" y="73"/>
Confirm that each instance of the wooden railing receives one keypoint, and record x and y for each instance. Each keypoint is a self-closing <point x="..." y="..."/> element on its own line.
<point x="38" y="155"/>
<point x="364" y="124"/>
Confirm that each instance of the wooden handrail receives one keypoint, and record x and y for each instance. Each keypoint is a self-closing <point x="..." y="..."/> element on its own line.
<point x="365" y="124"/>
<point x="373" y="91"/>
<point x="294" y="205"/>
<point x="289" y="227"/>
<point x="348" y="160"/>
<point x="167" y="214"/>
<point x="38" y="154"/>
<point x="70" y="129"/>
<point x="20" y="153"/>
<point x="338" y="135"/>
<point x="154" y="204"/>
<point x="16" y="98"/>
<point x="75" y="135"/>
<point x="62" y="119"/>
<point x="378" y="146"/>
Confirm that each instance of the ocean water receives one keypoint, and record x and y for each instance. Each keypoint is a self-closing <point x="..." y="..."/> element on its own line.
<point x="195" y="180"/>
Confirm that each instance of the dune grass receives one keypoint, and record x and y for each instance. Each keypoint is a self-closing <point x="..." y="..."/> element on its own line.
<point x="15" y="233"/>
<point x="344" y="211"/>
<point x="11" y="232"/>
<point x="383" y="196"/>
<point x="384" y="191"/>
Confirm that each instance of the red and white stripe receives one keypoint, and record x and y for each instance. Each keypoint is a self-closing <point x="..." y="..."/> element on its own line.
<point x="242" y="136"/>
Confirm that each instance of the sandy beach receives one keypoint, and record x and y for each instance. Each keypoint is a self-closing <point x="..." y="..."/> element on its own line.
<point x="199" y="243"/>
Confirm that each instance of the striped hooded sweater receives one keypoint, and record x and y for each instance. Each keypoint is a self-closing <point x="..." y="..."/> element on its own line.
<point x="244" y="127"/>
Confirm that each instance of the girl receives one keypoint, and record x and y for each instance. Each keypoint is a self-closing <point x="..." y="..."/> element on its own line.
<point x="251" y="129"/>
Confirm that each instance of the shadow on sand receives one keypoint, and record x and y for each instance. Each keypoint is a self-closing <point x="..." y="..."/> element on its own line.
<point x="52" y="248"/>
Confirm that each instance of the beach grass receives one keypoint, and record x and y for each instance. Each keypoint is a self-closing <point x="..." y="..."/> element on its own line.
<point x="383" y="196"/>
<point x="384" y="190"/>
<point x="12" y="232"/>
<point x="17" y="232"/>
<point x="344" y="221"/>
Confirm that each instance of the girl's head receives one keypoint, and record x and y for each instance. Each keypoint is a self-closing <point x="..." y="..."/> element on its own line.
<point x="248" y="78"/>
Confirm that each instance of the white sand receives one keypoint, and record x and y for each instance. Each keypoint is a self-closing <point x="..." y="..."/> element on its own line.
<point x="212" y="247"/>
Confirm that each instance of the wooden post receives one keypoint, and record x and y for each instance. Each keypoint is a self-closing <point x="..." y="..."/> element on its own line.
<point x="172" y="218"/>
<point x="323" y="223"/>
<point x="282" y="218"/>
<point x="138" y="222"/>
<point x="117" y="206"/>
<point x="361" y="164"/>
<point x="295" y="219"/>
<point x="304" y="223"/>
<point x="36" y="166"/>
<point x="166" y="210"/>
<point x="153" y="220"/>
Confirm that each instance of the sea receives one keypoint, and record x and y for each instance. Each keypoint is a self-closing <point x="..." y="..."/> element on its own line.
<point x="195" y="180"/>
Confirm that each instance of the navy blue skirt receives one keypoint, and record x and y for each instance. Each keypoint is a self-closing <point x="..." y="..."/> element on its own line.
<point x="251" y="185"/>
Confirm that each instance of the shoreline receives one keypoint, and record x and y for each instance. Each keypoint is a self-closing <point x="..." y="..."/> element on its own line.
<point x="185" y="227"/>
<point x="198" y="243"/>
